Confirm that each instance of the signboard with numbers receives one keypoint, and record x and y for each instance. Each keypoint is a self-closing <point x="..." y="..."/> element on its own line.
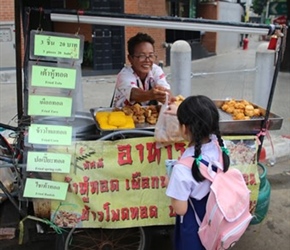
<point x="54" y="46"/>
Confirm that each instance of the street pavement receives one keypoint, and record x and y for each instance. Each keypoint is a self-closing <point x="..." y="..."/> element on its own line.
<point x="229" y="75"/>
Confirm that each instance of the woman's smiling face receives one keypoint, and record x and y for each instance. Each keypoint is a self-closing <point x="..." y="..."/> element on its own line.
<point x="143" y="59"/>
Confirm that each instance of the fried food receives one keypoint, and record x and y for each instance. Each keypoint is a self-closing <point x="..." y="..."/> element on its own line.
<point x="240" y="110"/>
<point x="179" y="99"/>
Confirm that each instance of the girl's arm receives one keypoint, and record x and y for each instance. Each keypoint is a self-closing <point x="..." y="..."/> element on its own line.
<point x="180" y="207"/>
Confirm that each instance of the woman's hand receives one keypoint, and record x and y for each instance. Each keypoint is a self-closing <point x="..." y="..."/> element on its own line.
<point x="159" y="94"/>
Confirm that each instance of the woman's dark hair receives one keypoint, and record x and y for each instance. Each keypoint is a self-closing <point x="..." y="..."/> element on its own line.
<point x="138" y="38"/>
<point x="201" y="117"/>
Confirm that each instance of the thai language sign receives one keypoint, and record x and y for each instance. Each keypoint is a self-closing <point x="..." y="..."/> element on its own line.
<point x="48" y="162"/>
<point x="38" y="188"/>
<point x="56" y="45"/>
<point x="50" y="134"/>
<point x="44" y="105"/>
<point x="48" y="76"/>
<point x="117" y="184"/>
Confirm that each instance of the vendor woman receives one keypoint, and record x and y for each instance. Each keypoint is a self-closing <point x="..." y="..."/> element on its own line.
<point x="143" y="82"/>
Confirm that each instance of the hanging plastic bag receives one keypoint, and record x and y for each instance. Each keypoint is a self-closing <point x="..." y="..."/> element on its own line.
<point x="167" y="127"/>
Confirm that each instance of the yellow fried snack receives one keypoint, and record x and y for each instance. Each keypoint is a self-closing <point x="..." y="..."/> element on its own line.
<point x="117" y="119"/>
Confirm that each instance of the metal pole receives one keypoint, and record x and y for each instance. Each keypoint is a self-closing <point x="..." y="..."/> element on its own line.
<point x="17" y="11"/>
<point x="272" y="90"/>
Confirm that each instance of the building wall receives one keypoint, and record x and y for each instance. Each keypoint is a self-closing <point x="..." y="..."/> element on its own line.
<point x="147" y="7"/>
<point x="6" y="10"/>
<point x="228" y="12"/>
<point x="7" y="35"/>
<point x="209" y="11"/>
<point x="221" y="42"/>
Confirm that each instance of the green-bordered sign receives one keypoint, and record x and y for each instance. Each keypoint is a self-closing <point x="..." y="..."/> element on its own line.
<point x="43" y="105"/>
<point x="54" y="46"/>
<point x="277" y="8"/>
<point x="53" y="76"/>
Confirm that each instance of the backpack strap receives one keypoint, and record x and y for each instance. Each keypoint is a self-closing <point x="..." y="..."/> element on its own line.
<point x="206" y="169"/>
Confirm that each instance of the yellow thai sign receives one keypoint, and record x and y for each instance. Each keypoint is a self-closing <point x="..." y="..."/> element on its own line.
<point x="120" y="184"/>
<point x="116" y="184"/>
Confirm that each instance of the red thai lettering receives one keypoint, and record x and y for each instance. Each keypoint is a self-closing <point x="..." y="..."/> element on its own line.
<point x="115" y="215"/>
<point x="143" y="212"/>
<point x="155" y="182"/>
<point x="94" y="214"/>
<point x="84" y="186"/>
<point x="180" y="146"/>
<point x="106" y="207"/>
<point x="125" y="213"/>
<point x="171" y="212"/>
<point x="153" y="212"/>
<point x="124" y="155"/>
<point x="153" y="152"/>
<point x="85" y="199"/>
<point x="145" y="182"/>
<point x="104" y="187"/>
<point x="85" y="213"/>
<point x="100" y="163"/>
<point x="93" y="165"/>
<point x="169" y="151"/>
<point x="86" y="165"/>
<point x="114" y="184"/>
<point x="127" y="184"/>
<point x="134" y="212"/>
<point x="100" y="216"/>
<point x="140" y="148"/>
<point x="94" y="187"/>
<point x="136" y="180"/>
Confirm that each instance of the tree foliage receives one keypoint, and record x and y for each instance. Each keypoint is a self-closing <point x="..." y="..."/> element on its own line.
<point x="259" y="6"/>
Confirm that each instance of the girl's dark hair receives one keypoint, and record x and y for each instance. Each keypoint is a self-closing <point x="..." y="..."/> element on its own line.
<point x="138" y="38"/>
<point x="201" y="117"/>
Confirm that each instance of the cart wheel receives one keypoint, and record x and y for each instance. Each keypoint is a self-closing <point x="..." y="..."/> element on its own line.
<point x="106" y="239"/>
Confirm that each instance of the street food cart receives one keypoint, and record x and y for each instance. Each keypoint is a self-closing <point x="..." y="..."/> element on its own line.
<point x="106" y="187"/>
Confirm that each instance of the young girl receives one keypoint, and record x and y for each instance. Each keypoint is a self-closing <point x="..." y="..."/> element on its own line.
<point x="199" y="124"/>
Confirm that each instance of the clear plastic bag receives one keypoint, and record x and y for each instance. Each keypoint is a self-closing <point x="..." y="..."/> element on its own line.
<point x="167" y="127"/>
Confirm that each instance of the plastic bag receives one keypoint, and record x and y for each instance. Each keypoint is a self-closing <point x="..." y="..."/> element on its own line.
<point x="167" y="127"/>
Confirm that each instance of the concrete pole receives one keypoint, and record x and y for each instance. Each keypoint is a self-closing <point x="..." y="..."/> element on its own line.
<point x="265" y="59"/>
<point x="180" y="57"/>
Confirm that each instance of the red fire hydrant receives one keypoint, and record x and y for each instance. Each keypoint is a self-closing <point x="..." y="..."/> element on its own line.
<point x="245" y="43"/>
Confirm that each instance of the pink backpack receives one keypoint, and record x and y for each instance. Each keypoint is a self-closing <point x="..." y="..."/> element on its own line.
<point x="227" y="213"/>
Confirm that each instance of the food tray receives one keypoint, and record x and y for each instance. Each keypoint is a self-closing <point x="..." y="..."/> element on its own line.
<point x="227" y="124"/>
<point x="139" y="126"/>
<point x="252" y="126"/>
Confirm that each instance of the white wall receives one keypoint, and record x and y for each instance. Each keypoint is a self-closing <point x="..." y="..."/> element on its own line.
<point x="228" y="12"/>
<point x="7" y="45"/>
